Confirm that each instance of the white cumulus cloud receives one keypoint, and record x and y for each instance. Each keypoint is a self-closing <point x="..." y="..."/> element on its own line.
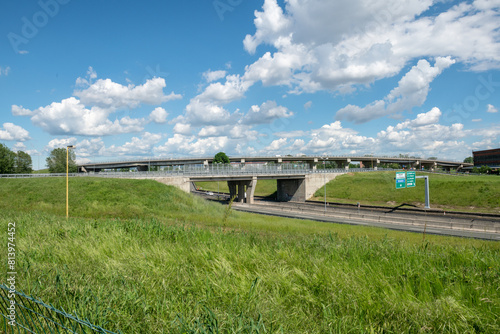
<point x="267" y="112"/>
<point x="71" y="117"/>
<point x="60" y="143"/>
<point x="411" y="92"/>
<point x="159" y="115"/>
<point x="213" y="75"/>
<point x="335" y="45"/>
<point x="10" y="131"/>
<point x="105" y="93"/>
<point x="20" y="111"/>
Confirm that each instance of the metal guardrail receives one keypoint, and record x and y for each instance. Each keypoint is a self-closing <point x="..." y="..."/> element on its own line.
<point x="205" y="171"/>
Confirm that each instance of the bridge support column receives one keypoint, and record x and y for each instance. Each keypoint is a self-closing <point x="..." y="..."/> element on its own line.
<point x="242" y="191"/>
<point x="291" y="190"/>
<point x="251" y="190"/>
<point x="346" y="164"/>
<point x="313" y="164"/>
<point x="233" y="188"/>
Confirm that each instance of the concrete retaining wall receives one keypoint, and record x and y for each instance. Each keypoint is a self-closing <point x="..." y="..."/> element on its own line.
<point x="183" y="183"/>
<point x="316" y="181"/>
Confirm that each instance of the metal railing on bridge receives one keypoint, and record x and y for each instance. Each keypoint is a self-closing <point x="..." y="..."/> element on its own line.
<point x="212" y="170"/>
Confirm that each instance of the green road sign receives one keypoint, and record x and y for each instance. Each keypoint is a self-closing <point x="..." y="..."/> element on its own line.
<point x="400" y="180"/>
<point x="410" y="179"/>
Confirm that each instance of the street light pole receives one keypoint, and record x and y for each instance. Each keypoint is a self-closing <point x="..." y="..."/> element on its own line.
<point x="67" y="179"/>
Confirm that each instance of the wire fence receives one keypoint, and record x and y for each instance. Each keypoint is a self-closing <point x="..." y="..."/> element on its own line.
<point x="24" y="314"/>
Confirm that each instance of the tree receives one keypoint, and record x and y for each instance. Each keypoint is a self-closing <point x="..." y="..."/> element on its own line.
<point x="469" y="160"/>
<point x="7" y="160"/>
<point x="57" y="161"/>
<point x="23" y="163"/>
<point x="485" y="169"/>
<point x="221" y="158"/>
<point x="353" y="165"/>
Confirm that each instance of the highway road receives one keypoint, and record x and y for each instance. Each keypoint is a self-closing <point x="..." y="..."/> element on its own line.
<point x="433" y="222"/>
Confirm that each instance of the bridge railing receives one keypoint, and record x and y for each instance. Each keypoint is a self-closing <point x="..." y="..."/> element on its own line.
<point x="212" y="170"/>
<point x="231" y="171"/>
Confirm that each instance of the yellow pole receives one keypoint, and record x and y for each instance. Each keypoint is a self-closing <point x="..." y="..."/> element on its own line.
<point x="67" y="182"/>
<point x="67" y="178"/>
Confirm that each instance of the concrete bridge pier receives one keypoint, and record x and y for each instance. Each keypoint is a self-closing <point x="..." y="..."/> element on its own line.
<point x="242" y="190"/>
<point x="347" y="164"/>
<point x="313" y="164"/>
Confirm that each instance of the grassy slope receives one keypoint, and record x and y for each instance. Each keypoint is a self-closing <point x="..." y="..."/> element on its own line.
<point x="480" y="193"/>
<point x="41" y="171"/>
<point x="162" y="260"/>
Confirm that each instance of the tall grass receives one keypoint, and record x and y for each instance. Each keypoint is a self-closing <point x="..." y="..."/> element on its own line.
<point x="176" y="268"/>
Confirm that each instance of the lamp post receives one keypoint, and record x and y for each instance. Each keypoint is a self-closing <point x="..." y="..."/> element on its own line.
<point x="67" y="179"/>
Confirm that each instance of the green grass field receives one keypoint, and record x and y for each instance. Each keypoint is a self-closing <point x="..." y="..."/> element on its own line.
<point x="142" y="257"/>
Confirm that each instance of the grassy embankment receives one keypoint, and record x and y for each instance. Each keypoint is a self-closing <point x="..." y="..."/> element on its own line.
<point x="459" y="193"/>
<point x="463" y="193"/>
<point x="142" y="257"/>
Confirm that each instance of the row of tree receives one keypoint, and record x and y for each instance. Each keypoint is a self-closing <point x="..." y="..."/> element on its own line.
<point x="14" y="162"/>
<point x="20" y="162"/>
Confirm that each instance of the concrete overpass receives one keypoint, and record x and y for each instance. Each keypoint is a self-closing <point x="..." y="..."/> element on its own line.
<point x="293" y="184"/>
<point x="342" y="161"/>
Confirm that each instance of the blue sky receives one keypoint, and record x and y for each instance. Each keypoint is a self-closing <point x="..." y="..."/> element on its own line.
<point x="123" y="79"/>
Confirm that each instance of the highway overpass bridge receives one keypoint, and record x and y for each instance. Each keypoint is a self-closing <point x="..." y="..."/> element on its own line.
<point x="311" y="161"/>
<point x="294" y="183"/>
<point x="297" y="177"/>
